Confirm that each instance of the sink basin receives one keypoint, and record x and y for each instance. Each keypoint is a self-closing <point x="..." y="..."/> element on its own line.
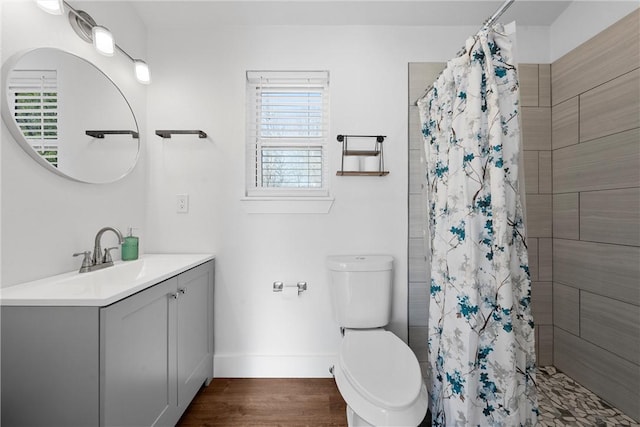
<point x="101" y="287"/>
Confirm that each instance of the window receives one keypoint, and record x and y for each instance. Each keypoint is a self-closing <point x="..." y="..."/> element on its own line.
<point x="34" y="101"/>
<point x="287" y="131"/>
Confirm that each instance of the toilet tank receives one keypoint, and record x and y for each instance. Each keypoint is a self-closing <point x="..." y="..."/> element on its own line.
<point x="360" y="290"/>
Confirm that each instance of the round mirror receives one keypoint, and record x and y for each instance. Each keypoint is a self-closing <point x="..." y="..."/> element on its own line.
<point x="69" y="116"/>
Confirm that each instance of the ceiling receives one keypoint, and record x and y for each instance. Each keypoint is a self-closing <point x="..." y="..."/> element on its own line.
<point x="159" y="14"/>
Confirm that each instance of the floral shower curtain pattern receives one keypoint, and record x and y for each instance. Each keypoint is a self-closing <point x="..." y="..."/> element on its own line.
<point x="481" y="331"/>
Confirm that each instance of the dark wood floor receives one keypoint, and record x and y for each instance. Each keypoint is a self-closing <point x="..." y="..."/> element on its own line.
<point x="268" y="402"/>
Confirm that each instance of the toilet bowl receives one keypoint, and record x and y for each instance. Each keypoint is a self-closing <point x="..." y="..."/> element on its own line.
<point x="379" y="377"/>
<point x="377" y="374"/>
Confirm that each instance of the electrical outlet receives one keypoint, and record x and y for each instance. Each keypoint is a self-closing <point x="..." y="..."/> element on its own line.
<point x="182" y="203"/>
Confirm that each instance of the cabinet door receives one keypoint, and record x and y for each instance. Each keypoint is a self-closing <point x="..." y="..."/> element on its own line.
<point x="50" y="366"/>
<point x="138" y="365"/>
<point x="195" y="331"/>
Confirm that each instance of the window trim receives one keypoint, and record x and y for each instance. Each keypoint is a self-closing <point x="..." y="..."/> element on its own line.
<point x="287" y="205"/>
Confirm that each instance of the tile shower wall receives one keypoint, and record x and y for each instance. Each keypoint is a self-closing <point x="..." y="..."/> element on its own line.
<point x="596" y="214"/>
<point x="535" y="95"/>
<point x="535" y="100"/>
<point x="421" y="74"/>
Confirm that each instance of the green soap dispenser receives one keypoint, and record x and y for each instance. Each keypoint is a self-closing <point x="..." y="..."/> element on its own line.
<point x="130" y="247"/>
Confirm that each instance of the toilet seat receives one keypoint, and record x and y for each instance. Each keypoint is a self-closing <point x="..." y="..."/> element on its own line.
<point x="379" y="377"/>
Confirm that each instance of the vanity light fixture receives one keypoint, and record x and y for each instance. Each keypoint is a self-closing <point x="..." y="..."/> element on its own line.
<point x="53" y="7"/>
<point x="88" y="30"/>
<point x="103" y="40"/>
<point x="142" y="71"/>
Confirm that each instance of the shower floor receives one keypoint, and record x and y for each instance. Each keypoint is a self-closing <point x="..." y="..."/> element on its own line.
<point x="563" y="402"/>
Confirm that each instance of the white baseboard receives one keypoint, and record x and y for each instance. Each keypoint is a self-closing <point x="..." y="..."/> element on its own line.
<point x="272" y="366"/>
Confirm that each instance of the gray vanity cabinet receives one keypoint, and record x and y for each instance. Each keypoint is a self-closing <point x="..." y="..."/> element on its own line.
<point x="194" y="333"/>
<point x="137" y="362"/>
<point x="50" y="366"/>
<point x="139" y="359"/>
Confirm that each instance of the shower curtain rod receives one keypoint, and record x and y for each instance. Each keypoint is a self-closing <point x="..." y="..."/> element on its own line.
<point x="493" y="18"/>
<point x="488" y="23"/>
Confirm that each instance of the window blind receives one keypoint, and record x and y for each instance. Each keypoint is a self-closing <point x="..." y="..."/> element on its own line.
<point x="34" y="100"/>
<point x="287" y="130"/>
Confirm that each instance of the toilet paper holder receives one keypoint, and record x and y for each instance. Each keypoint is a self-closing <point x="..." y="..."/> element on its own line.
<point x="279" y="286"/>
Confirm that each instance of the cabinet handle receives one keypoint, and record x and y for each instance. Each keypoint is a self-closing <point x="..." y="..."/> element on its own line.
<point x="174" y="295"/>
<point x="182" y="291"/>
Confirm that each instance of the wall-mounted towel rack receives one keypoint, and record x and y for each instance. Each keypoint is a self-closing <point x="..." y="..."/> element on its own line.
<point x="101" y="133"/>
<point x="168" y="133"/>
<point x="376" y="157"/>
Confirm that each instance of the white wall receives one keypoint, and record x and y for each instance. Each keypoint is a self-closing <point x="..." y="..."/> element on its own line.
<point x="199" y="83"/>
<point x="584" y="19"/>
<point x="46" y="218"/>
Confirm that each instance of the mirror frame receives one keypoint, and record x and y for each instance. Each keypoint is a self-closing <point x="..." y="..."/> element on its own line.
<point x="17" y="134"/>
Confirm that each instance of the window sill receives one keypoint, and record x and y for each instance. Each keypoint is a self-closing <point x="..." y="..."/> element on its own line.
<point x="287" y="205"/>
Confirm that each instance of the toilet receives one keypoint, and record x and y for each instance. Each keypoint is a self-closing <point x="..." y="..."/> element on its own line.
<point x="376" y="372"/>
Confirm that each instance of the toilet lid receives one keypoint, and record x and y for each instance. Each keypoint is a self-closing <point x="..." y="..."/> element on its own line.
<point x="381" y="367"/>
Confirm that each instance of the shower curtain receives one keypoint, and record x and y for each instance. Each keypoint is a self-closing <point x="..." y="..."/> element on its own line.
<point x="481" y="332"/>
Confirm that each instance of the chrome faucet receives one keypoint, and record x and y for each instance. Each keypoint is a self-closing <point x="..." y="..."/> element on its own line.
<point x="99" y="259"/>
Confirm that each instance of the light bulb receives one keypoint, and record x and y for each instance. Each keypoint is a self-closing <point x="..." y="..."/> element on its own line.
<point x="54" y="7"/>
<point x="103" y="40"/>
<point x="142" y="71"/>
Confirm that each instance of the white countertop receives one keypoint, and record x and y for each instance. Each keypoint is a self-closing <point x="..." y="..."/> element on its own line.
<point x="101" y="287"/>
